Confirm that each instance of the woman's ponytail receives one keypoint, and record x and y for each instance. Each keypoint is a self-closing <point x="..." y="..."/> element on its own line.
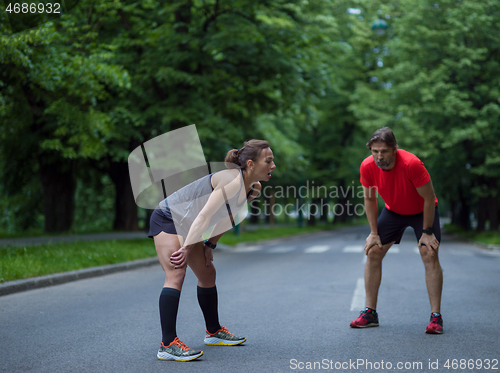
<point x="237" y="158"/>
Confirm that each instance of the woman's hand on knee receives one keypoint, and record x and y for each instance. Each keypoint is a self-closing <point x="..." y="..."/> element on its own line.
<point x="179" y="258"/>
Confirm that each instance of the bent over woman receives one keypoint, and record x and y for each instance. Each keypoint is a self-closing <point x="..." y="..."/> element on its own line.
<point x="177" y="225"/>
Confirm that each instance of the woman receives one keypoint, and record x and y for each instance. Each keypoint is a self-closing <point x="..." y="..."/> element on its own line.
<point x="177" y="226"/>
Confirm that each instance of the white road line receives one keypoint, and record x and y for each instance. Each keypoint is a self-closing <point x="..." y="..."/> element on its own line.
<point x="247" y="249"/>
<point x="358" y="298"/>
<point x="353" y="249"/>
<point x="394" y="250"/>
<point x="416" y="250"/>
<point x="317" y="249"/>
<point x="464" y="253"/>
<point x="281" y="249"/>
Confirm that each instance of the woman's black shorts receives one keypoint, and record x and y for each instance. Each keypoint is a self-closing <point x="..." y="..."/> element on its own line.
<point x="391" y="226"/>
<point x="160" y="223"/>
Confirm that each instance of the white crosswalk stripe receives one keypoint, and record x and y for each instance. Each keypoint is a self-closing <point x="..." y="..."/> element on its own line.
<point x="317" y="249"/>
<point x="353" y="249"/>
<point x="247" y="249"/>
<point x="281" y="249"/>
<point x="360" y="249"/>
<point x="349" y="249"/>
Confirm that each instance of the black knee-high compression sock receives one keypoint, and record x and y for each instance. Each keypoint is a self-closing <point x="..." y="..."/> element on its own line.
<point x="169" y="304"/>
<point x="207" y="298"/>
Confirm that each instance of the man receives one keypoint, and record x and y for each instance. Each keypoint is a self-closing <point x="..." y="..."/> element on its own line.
<point x="406" y="188"/>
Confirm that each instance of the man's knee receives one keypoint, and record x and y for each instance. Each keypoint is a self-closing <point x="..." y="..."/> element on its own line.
<point x="429" y="256"/>
<point x="377" y="254"/>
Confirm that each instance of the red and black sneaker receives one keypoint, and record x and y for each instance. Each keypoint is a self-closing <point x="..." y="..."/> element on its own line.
<point x="367" y="318"/>
<point x="436" y="324"/>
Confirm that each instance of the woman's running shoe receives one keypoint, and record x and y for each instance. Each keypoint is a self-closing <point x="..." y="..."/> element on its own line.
<point x="177" y="351"/>
<point x="223" y="338"/>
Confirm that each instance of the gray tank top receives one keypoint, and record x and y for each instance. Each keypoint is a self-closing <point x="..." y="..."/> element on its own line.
<point x="184" y="205"/>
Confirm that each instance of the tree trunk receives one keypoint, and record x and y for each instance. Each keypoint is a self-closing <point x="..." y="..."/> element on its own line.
<point x="343" y="206"/>
<point x="126" y="218"/>
<point x="272" y="218"/>
<point x="493" y="213"/>
<point x="267" y="204"/>
<point x="481" y="214"/>
<point x="454" y="212"/>
<point x="254" y="211"/>
<point x="325" y="210"/>
<point x="314" y="209"/>
<point x="464" y="212"/>
<point x="59" y="185"/>
<point x="147" y="219"/>
<point x="341" y="211"/>
<point x="312" y="215"/>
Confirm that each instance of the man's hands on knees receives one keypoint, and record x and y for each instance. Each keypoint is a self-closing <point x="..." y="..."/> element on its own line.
<point x="430" y="241"/>
<point x="371" y="241"/>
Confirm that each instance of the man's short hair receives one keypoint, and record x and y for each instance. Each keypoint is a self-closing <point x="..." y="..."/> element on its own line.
<point x="384" y="135"/>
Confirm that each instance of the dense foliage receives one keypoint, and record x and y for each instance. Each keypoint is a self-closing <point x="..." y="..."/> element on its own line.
<point x="80" y="92"/>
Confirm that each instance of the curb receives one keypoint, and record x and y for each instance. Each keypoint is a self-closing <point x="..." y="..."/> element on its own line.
<point x="61" y="278"/>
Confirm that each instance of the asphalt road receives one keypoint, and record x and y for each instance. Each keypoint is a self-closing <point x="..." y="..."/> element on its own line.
<point x="293" y="300"/>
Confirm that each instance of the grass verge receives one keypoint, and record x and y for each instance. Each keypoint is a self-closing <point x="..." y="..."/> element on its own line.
<point x="31" y="261"/>
<point x="486" y="237"/>
<point x="24" y="262"/>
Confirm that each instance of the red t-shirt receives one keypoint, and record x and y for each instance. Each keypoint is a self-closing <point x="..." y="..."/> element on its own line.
<point x="397" y="187"/>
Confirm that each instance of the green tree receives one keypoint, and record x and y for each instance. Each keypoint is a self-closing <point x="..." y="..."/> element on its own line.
<point x="52" y="79"/>
<point x="438" y="89"/>
<point x="86" y="89"/>
<point x="239" y="70"/>
<point x="336" y="143"/>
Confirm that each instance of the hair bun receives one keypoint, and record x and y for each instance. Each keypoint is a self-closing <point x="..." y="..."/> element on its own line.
<point x="232" y="158"/>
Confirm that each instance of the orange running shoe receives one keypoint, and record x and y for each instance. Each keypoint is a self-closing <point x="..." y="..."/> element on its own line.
<point x="223" y="338"/>
<point x="177" y="351"/>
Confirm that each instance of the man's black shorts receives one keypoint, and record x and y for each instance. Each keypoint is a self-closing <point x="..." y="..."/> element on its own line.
<point x="391" y="226"/>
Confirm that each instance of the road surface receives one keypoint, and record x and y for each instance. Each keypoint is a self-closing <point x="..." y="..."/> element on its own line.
<point x="292" y="298"/>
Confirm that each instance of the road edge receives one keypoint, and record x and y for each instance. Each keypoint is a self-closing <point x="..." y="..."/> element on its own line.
<point x="17" y="286"/>
<point x="32" y="283"/>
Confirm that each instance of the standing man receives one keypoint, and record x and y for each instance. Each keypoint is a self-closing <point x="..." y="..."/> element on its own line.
<point x="406" y="188"/>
